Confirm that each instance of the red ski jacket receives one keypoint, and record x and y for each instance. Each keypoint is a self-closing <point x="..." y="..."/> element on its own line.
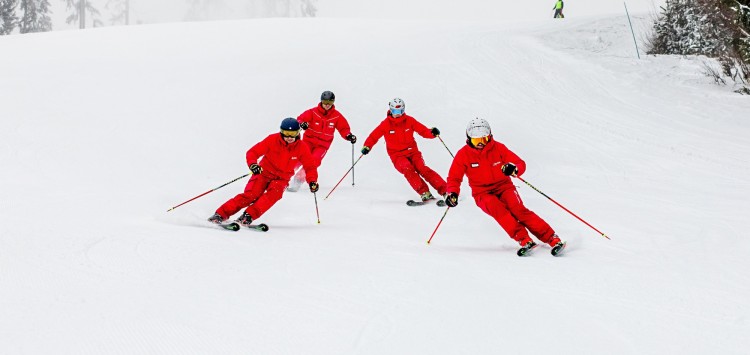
<point x="399" y="135"/>
<point x="322" y="125"/>
<point x="483" y="168"/>
<point x="280" y="158"/>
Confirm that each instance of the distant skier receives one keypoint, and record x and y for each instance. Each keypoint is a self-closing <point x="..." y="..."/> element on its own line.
<point x="320" y="124"/>
<point x="489" y="164"/>
<point x="398" y="129"/>
<point x="280" y="152"/>
<point x="559" y="9"/>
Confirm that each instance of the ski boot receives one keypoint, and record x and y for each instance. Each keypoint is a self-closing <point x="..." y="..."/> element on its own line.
<point x="427" y="196"/>
<point x="557" y="245"/>
<point x="216" y="219"/>
<point x="526" y="248"/>
<point x="245" y="219"/>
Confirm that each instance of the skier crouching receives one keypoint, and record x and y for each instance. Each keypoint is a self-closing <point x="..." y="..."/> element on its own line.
<point x="280" y="152"/>
<point x="398" y="128"/>
<point x="489" y="164"/>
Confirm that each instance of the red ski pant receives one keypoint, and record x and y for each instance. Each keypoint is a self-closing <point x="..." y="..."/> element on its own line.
<point x="508" y="210"/>
<point x="414" y="169"/>
<point x="317" y="152"/>
<point x="261" y="192"/>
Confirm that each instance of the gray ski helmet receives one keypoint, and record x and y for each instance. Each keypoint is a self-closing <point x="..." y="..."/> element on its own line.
<point x="397" y="106"/>
<point x="290" y="124"/>
<point x="327" y="95"/>
<point x="478" y="128"/>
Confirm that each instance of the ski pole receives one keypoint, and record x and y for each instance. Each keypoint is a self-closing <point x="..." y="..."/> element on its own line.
<point x="446" y="147"/>
<point x="343" y="177"/>
<point x="352" y="164"/>
<point x="207" y="192"/>
<point x="315" y="194"/>
<point x="438" y="225"/>
<point x="561" y="206"/>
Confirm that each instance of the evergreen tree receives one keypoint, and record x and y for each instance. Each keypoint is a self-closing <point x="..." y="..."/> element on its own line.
<point x="715" y="28"/>
<point x="8" y="18"/>
<point x="35" y="16"/>
<point x="690" y="27"/>
<point x="75" y="6"/>
<point x="212" y="9"/>
<point x="120" y="10"/>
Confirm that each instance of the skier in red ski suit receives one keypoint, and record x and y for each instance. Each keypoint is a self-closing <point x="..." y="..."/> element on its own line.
<point x="320" y="124"/>
<point x="280" y="152"/>
<point x="489" y="164"/>
<point x="398" y="128"/>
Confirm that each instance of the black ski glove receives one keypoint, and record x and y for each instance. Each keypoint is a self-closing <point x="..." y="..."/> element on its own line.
<point x="352" y="138"/>
<point x="255" y="169"/>
<point x="435" y="131"/>
<point x="509" y="169"/>
<point x="365" y="150"/>
<point x="314" y="186"/>
<point x="451" y="199"/>
<point x="304" y="125"/>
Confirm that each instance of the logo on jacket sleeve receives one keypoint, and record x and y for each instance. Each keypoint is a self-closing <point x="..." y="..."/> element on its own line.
<point x="497" y="163"/>
<point x="392" y="132"/>
<point x="294" y="158"/>
<point x="474" y="165"/>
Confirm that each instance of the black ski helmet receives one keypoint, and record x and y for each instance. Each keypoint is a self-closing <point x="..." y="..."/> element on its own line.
<point x="327" y="95"/>
<point x="290" y="124"/>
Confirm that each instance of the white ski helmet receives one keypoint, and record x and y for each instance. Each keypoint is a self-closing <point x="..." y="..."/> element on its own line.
<point x="397" y="106"/>
<point x="478" y="128"/>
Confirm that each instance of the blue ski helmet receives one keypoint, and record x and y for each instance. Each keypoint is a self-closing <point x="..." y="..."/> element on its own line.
<point x="290" y="124"/>
<point x="290" y="128"/>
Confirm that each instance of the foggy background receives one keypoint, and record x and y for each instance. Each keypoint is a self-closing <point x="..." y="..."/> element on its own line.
<point x="160" y="11"/>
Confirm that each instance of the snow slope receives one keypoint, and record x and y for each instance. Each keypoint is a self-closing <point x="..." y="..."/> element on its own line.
<point x="104" y="130"/>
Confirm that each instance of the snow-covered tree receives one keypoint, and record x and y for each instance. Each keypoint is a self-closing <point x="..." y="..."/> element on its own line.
<point x="218" y="9"/>
<point x="35" y="16"/>
<point x="8" y="18"/>
<point x="716" y="28"/>
<point x="75" y="15"/>
<point x="120" y="11"/>
<point x="690" y="27"/>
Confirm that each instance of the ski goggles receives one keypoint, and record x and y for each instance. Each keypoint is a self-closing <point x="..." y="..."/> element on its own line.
<point x="397" y="111"/>
<point x="326" y="102"/>
<point x="289" y="134"/>
<point x="481" y="140"/>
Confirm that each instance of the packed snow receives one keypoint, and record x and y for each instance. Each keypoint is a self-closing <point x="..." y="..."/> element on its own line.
<point x="106" y="129"/>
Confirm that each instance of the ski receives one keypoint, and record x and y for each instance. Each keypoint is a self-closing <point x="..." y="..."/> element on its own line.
<point x="439" y="203"/>
<point x="557" y="249"/>
<point x="229" y="226"/>
<point x="256" y="227"/>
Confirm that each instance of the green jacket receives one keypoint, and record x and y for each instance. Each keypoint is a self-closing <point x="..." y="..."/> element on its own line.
<point x="558" y="5"/>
